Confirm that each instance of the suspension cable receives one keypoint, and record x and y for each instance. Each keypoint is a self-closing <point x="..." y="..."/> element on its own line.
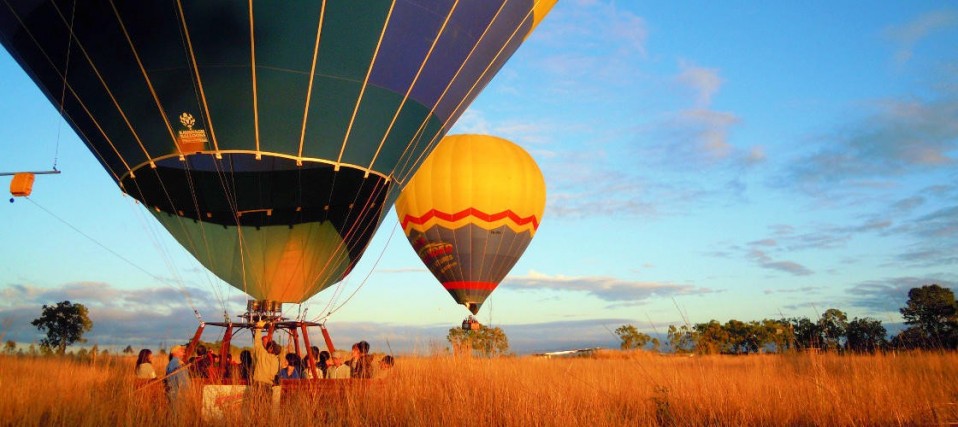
<point x="371" y="269"/>
<point x="124" y="259"/>
<point x="63" y="90"/>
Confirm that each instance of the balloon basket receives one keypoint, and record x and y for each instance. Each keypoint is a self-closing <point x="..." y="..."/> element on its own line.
<point x="224" y="388"/>
<point x="471" y="324"/>
<point x="274" y="324"/>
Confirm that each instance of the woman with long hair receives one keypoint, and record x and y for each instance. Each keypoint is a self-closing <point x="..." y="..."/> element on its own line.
<point x="144" y="365"/>
<point x="246" y="365"/>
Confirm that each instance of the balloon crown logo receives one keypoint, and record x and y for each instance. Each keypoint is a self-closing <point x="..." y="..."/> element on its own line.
<point x="187" y="120"/>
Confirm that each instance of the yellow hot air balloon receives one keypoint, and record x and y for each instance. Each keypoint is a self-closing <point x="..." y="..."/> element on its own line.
<point x="470" y="211"/>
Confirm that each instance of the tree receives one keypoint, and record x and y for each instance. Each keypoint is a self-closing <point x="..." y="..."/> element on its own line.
<point x="712" y="338"/>
<point x="682" y="339"/>
<point x="10" y="347"/>
<point x="65" y="323"/>
<point x="833" y="324"/>
<point x="808" y="334"/>
<point x="865" y="335"/>
<point x="631" y="337"/>
<point x="933" y="312"/>
<point x="745" y="337"/>
<point x="485" y="341"/>
<point x="779" y="333"/>
<point x="909" y="339"/>
<point x="128" y="350"/>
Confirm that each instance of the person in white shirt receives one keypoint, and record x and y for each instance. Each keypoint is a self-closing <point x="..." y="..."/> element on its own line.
<point x="144" y="365"/>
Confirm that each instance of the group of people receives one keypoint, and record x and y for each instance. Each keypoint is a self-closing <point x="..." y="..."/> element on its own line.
<point x="291" y="366"/>
<point x="262" y="367"/>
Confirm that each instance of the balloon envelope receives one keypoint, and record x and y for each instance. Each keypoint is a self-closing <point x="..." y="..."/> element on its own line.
<point x="470" y="211"/>
<point x="266" y="137"/>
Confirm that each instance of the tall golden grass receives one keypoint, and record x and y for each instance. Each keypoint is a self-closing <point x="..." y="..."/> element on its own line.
<point x="611" y="388"/>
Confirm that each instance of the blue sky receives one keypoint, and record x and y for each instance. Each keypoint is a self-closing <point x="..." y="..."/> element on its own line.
<point x="708" y="160"/>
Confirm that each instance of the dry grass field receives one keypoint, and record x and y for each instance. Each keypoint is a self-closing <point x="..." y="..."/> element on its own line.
<point x="611" y="388"/>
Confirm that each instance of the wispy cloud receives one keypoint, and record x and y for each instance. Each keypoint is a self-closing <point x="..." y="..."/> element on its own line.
<point x="582" y="190"/>
<point x="402" y="270"/>
<point x="800" y="290"/>
<point x="139" y="317"/>
<point x="762" y="259"/>
<point x="703" y="134"/>
<point x="890" y="294"/>
<point x="697" y="135"/>
<point x="600" y="84"/>
<point x="899" y="138"/>
<point x="763" y="253"/>
<point x="691" y="138"/>
<point x="605" y="288"/>
<point x="705" y="82"/>
<point x="908" y="35"/>
<point x="925" y="236"/>
<point x="599" y="41"/>
<point x="595" y="24"/>
<point x="811" y="309"/>
<point x="936" y="238"/>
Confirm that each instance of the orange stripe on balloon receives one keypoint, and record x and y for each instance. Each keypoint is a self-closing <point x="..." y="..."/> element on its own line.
<point x="488" y="286"/>
<point x="473" y="212"/>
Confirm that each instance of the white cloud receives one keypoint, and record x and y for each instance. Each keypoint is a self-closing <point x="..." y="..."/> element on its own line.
<point x="604" y="288"/>
<point x="472" y="121"/>
<point x="707" y="131"/>
<point x="595" y="24"/>
<point x="900" y="137"/>
<point x="138" y="316"/>
<point x="704" y="81"/>
<point x="762" y="259"/>
<point x="908" y="35"/>
<point x="756" y="155"/>
<point x="889" y="294"/>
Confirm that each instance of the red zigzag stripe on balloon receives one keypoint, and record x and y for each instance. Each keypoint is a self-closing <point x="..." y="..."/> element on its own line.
<point x="470" y="212"/>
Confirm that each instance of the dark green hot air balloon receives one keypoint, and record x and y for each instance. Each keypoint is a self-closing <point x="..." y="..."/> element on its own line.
<point x="269" y="138"/>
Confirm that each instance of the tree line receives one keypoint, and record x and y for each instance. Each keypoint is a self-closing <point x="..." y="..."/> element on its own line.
<point x="931" y="314"/>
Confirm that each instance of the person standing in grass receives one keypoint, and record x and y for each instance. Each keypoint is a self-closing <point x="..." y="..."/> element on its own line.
<point x="177" y="377"/>
<point x="361" y="363"/>
<point x="201" y="366"/>
<point x="265" y="369"/>
<point x="385" y="364"/>
<point x="144" y="365"/>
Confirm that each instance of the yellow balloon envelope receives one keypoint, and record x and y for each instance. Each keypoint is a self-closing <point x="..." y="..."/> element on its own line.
<point x="471" y="210"/>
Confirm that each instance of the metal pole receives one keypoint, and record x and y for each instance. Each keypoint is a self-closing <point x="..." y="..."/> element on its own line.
<point x="53" y="172"/>
<point x="295" y="335"/>
<point x="269" y="334"/>
<point x="194" y="342"/>
<point x="329" y="342"/>
<point x="225" y="350"/>
<point x="309" y="352"/>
